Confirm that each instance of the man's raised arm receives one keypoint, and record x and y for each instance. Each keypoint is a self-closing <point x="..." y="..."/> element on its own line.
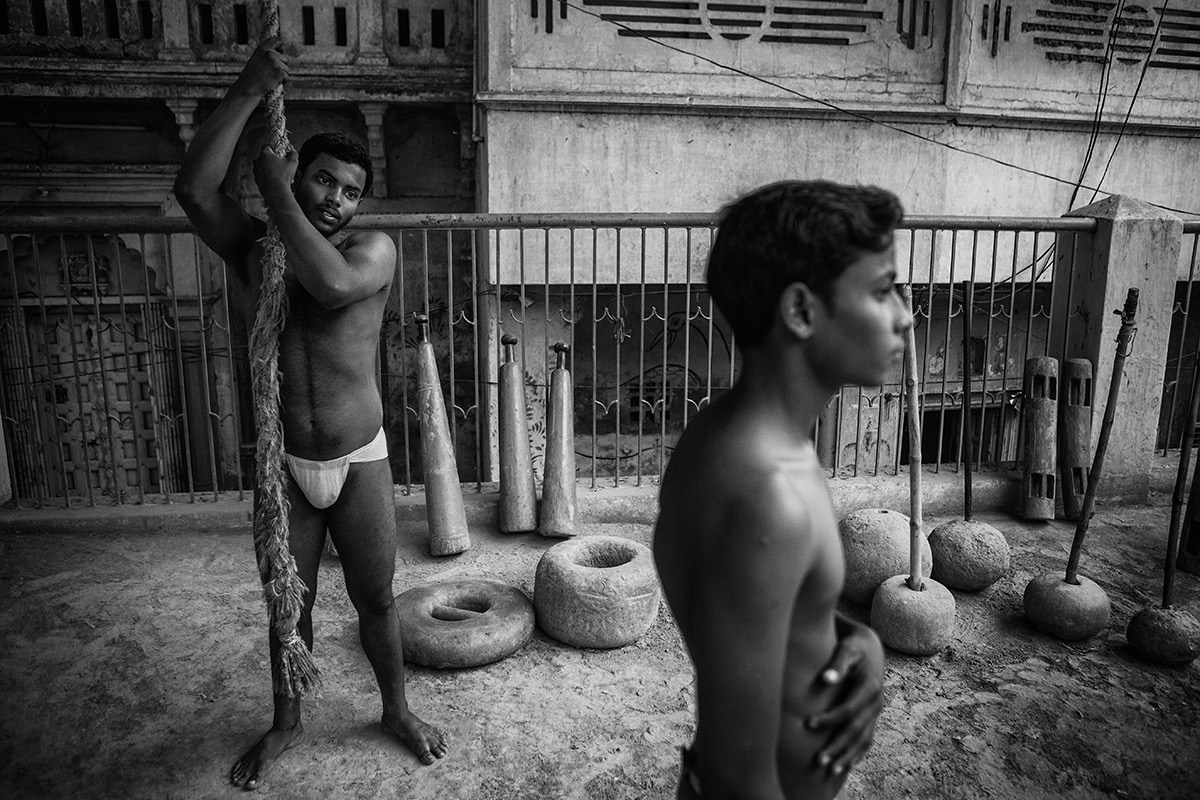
<point x="222" y="223"/>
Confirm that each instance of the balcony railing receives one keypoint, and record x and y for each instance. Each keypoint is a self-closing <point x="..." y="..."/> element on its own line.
<point x="124" y="355"/>
<point x="327" y="31"/>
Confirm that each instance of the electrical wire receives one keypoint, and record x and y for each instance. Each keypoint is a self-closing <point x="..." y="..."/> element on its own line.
<point x="1101" y="101"/>
<point x="1136" y="91"/>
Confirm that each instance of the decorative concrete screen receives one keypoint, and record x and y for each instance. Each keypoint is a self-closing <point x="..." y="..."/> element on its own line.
<point x="587" y="46"/>
<point x="1051" y="54"/>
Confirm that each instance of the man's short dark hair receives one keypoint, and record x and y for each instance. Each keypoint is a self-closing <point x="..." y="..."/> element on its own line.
<point x="792" y="232"/>
<point x="341" y="147"/>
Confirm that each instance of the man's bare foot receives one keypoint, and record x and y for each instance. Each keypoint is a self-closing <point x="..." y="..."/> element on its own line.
<point x="427" y="742"/>
<point x="252" y="767"/>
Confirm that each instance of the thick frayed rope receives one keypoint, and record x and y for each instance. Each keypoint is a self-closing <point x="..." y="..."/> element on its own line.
<point x="294" y="669"/>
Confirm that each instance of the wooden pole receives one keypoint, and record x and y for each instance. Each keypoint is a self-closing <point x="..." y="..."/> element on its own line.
<point x="1124" y="344"/>
<point x="967" y="432"/>
<point x="915" y="580"/>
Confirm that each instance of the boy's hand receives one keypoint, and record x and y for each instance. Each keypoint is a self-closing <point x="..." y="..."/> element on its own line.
<point x="858" y="665"/>
<point x="266" y="68"/>
<point x="273" y="174"/>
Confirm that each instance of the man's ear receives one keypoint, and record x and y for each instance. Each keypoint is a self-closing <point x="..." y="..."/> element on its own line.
<point x="797" y="306"/>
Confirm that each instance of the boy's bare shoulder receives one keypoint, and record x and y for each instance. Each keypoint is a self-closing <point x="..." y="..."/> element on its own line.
<point x="724" y="479"/>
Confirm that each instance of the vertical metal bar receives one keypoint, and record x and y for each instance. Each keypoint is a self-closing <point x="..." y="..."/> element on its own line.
<point x="235" y="389"/>
<point x="102" y="370"/>
<point x="964" y="420"/>
<point x="50" y="375"/>
<point x="941" y="435"/>
<point x="76" y="366"/>
<point x="546" y="312"/>
<point x="987" y="338"/>
<point x="487" y="324"/>
<point x="858" y="434"/>
<point x="1032" y="297"/>
<point x="546" y="328"/>
<point x="570" y="320"/>
<point x="928" y="339"/>
<point x="1050" y="251"/>
<point x="521" y="289"/>
<point x="128" y="356"/>
<point x="154" y="367"/>
<point x="640" y="411"/>
<point x="900" y="416"/>
<point x="620" y="320"/>
<point x="180" y="375"/>
<point x="595" y="355"/>
<point x="1008" y="347"/>
<point x="213" y="419"/>
<point x="451" y="321"/>
<point x="482" y="420"/>
<point x="404" y="363"/>
<point x="708" y="371"/>
<point x="1066" y="322"/>
<point x="666" y="320"/>
<point x="687" y="323"/>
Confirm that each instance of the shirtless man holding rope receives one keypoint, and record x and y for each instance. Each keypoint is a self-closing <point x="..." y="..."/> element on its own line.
<point x="338" y="477"/>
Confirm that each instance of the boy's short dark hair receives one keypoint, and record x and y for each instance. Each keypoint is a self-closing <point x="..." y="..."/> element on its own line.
<point x="341" y="147"/>
<point x="788" y="232"/>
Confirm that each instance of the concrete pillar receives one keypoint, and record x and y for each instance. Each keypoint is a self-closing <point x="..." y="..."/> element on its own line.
<point x="1135" y="245"/>
<point x="373" y="114"/>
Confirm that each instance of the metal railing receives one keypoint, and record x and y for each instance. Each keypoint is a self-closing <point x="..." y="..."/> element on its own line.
<point x="1183" y="344"/>
<point x="125" y="375"/>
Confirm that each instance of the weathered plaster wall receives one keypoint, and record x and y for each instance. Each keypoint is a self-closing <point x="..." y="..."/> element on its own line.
<point x="582" y="116"/>
<point x="583" y="160"/>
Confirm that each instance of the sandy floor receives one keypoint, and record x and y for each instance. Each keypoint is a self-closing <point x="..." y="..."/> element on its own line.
<point x="134" y="666"/>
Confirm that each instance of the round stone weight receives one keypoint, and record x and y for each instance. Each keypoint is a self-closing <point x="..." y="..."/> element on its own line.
<point x="596" y="591"/>
<point x="968" y="555"/>
<point x="1167" y="636"/>
<point x="876" y="545"/>
<point x="1065" y="610"/>
<point x="919" y="623"/>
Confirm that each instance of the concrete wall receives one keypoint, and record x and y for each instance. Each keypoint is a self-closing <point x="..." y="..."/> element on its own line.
<point x="582" y="116"/>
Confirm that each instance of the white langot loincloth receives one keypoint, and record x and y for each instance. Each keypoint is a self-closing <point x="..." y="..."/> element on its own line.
<point x="322" y="481"/>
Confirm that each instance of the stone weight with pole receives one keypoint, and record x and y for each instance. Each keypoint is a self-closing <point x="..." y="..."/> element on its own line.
<point x="912" y="614"/>
<point x="1072" y="607"/>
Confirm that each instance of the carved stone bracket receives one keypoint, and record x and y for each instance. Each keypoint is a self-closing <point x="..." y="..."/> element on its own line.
<point x="185" y="117"/>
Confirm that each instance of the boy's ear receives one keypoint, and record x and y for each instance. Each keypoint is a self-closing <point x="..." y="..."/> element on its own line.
<point x="796" y="309"/>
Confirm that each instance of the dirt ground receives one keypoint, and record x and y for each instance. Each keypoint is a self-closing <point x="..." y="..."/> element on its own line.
<point x="134" y="666"/>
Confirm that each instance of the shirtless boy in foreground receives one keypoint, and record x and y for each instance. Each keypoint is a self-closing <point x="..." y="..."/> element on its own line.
<point x="337" y="285"/>
<point x="787" y="689"/>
